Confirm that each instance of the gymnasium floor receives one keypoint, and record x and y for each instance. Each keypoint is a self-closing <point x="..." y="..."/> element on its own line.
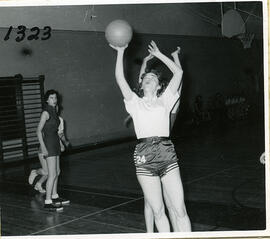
<point x="223" y="181"/>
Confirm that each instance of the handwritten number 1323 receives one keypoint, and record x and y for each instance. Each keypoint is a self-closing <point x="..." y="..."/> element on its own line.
<point x="21" y="34"/>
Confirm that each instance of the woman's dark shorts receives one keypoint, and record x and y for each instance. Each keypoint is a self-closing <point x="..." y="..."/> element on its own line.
<point x="155" y="156"/>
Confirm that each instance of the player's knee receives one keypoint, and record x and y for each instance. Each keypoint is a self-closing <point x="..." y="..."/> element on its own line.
<point x="147" y="205"/>
<point x="52" y="175"/>
<point x="58" y="172"/>
<point x="169" y="206"/>
<point x="180" y="212"/>
<point x="159" y="212"/>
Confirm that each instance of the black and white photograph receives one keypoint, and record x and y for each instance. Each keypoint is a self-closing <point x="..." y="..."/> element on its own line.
<point x="134" y="119"/>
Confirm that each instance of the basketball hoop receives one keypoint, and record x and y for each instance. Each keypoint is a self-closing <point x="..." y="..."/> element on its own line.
<point x="246" y="39"/>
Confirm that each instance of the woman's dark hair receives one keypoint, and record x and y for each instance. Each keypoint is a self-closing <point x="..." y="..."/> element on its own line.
<point x="162" y="82"/>
<point x="50" y="92"/>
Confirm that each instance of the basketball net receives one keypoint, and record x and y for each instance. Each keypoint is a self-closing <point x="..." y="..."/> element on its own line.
<point x="246" y="39"/>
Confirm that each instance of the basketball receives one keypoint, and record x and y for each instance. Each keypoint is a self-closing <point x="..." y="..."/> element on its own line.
<point x="118" y="33"/>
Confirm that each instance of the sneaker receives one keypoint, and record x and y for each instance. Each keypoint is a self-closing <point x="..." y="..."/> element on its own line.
<point x="61" y="201"/>
<point x="53" y="207"/>
<point x="32" y="176"/>
<point x="39" y="188"/>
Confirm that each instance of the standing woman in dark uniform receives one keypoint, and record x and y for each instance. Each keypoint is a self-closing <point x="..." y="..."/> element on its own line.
<point x="47" y="133"/>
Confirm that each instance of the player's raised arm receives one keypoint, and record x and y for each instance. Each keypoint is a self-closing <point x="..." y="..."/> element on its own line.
<point x="119" y="73"/>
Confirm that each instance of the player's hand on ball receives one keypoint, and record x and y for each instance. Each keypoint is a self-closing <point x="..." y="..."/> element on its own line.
<point x="118" y="48"/>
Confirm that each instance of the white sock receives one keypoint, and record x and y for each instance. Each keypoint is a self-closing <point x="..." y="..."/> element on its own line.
<point x="48" y="201"/>
<point x="54" y="196"/>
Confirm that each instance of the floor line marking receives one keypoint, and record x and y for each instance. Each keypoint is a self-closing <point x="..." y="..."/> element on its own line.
<point x="88" y="215"/>
<point x="209" y="175"/>
<point x="32" y="209"/>
<point x="103" y="194"/>
<point x="63" y="187"/>
<point x="136" y="229"/>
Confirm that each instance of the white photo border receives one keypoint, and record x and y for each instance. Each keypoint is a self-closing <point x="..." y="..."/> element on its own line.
<point x="221" y="234"/>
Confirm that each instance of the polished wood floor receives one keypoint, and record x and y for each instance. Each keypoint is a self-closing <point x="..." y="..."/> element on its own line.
<point x="223" y="180"/>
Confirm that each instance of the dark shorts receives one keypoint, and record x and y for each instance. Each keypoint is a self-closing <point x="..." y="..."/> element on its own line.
<point x="155" y="156"/>
<point x="52" y="143"/>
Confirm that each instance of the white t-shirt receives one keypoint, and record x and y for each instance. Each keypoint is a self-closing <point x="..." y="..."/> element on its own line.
<point x="151" y="119"/>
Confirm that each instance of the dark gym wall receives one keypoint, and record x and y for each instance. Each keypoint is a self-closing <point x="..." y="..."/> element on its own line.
<point x="80" y="65"/>
<point x="211" y="65"/>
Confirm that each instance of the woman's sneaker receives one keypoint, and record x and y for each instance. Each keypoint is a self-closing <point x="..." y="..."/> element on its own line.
<point x="32" y="176"/>
<point x="53" y="207"/>
<point x="60" y="201"/>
